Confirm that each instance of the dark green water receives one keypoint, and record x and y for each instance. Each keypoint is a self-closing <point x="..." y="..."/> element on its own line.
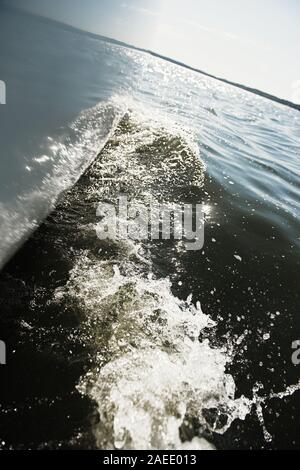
<point x="91" y="320"/>
<point x="143" y="344"/>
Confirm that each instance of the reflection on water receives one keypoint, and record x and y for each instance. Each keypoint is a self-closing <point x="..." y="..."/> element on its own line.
<point x="196" y="346"/>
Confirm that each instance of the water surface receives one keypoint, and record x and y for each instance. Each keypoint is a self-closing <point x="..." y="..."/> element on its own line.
<point x="143" y="344"/>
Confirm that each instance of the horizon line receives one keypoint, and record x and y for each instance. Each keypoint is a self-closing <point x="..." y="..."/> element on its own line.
<point x="256" y="91"/>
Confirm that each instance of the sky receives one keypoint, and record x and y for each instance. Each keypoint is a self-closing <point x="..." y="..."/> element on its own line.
<point x="253" y="42"/>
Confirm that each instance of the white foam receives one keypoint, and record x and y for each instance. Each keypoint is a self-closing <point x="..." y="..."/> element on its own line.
<point x="158" y="373"/>
<point x="151" y="375"/>
<point x="71" y="155"/>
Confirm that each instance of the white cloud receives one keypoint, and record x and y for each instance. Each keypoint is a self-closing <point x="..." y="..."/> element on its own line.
<point x="226" y="34"/>
<point x="142" y="11"/>
<point x="212" y="30"/>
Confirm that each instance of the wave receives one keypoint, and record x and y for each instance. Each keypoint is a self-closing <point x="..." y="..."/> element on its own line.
<point x="153" y="367"/>
<point x="70" y="156"/>
<point x="152" y="377"/>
